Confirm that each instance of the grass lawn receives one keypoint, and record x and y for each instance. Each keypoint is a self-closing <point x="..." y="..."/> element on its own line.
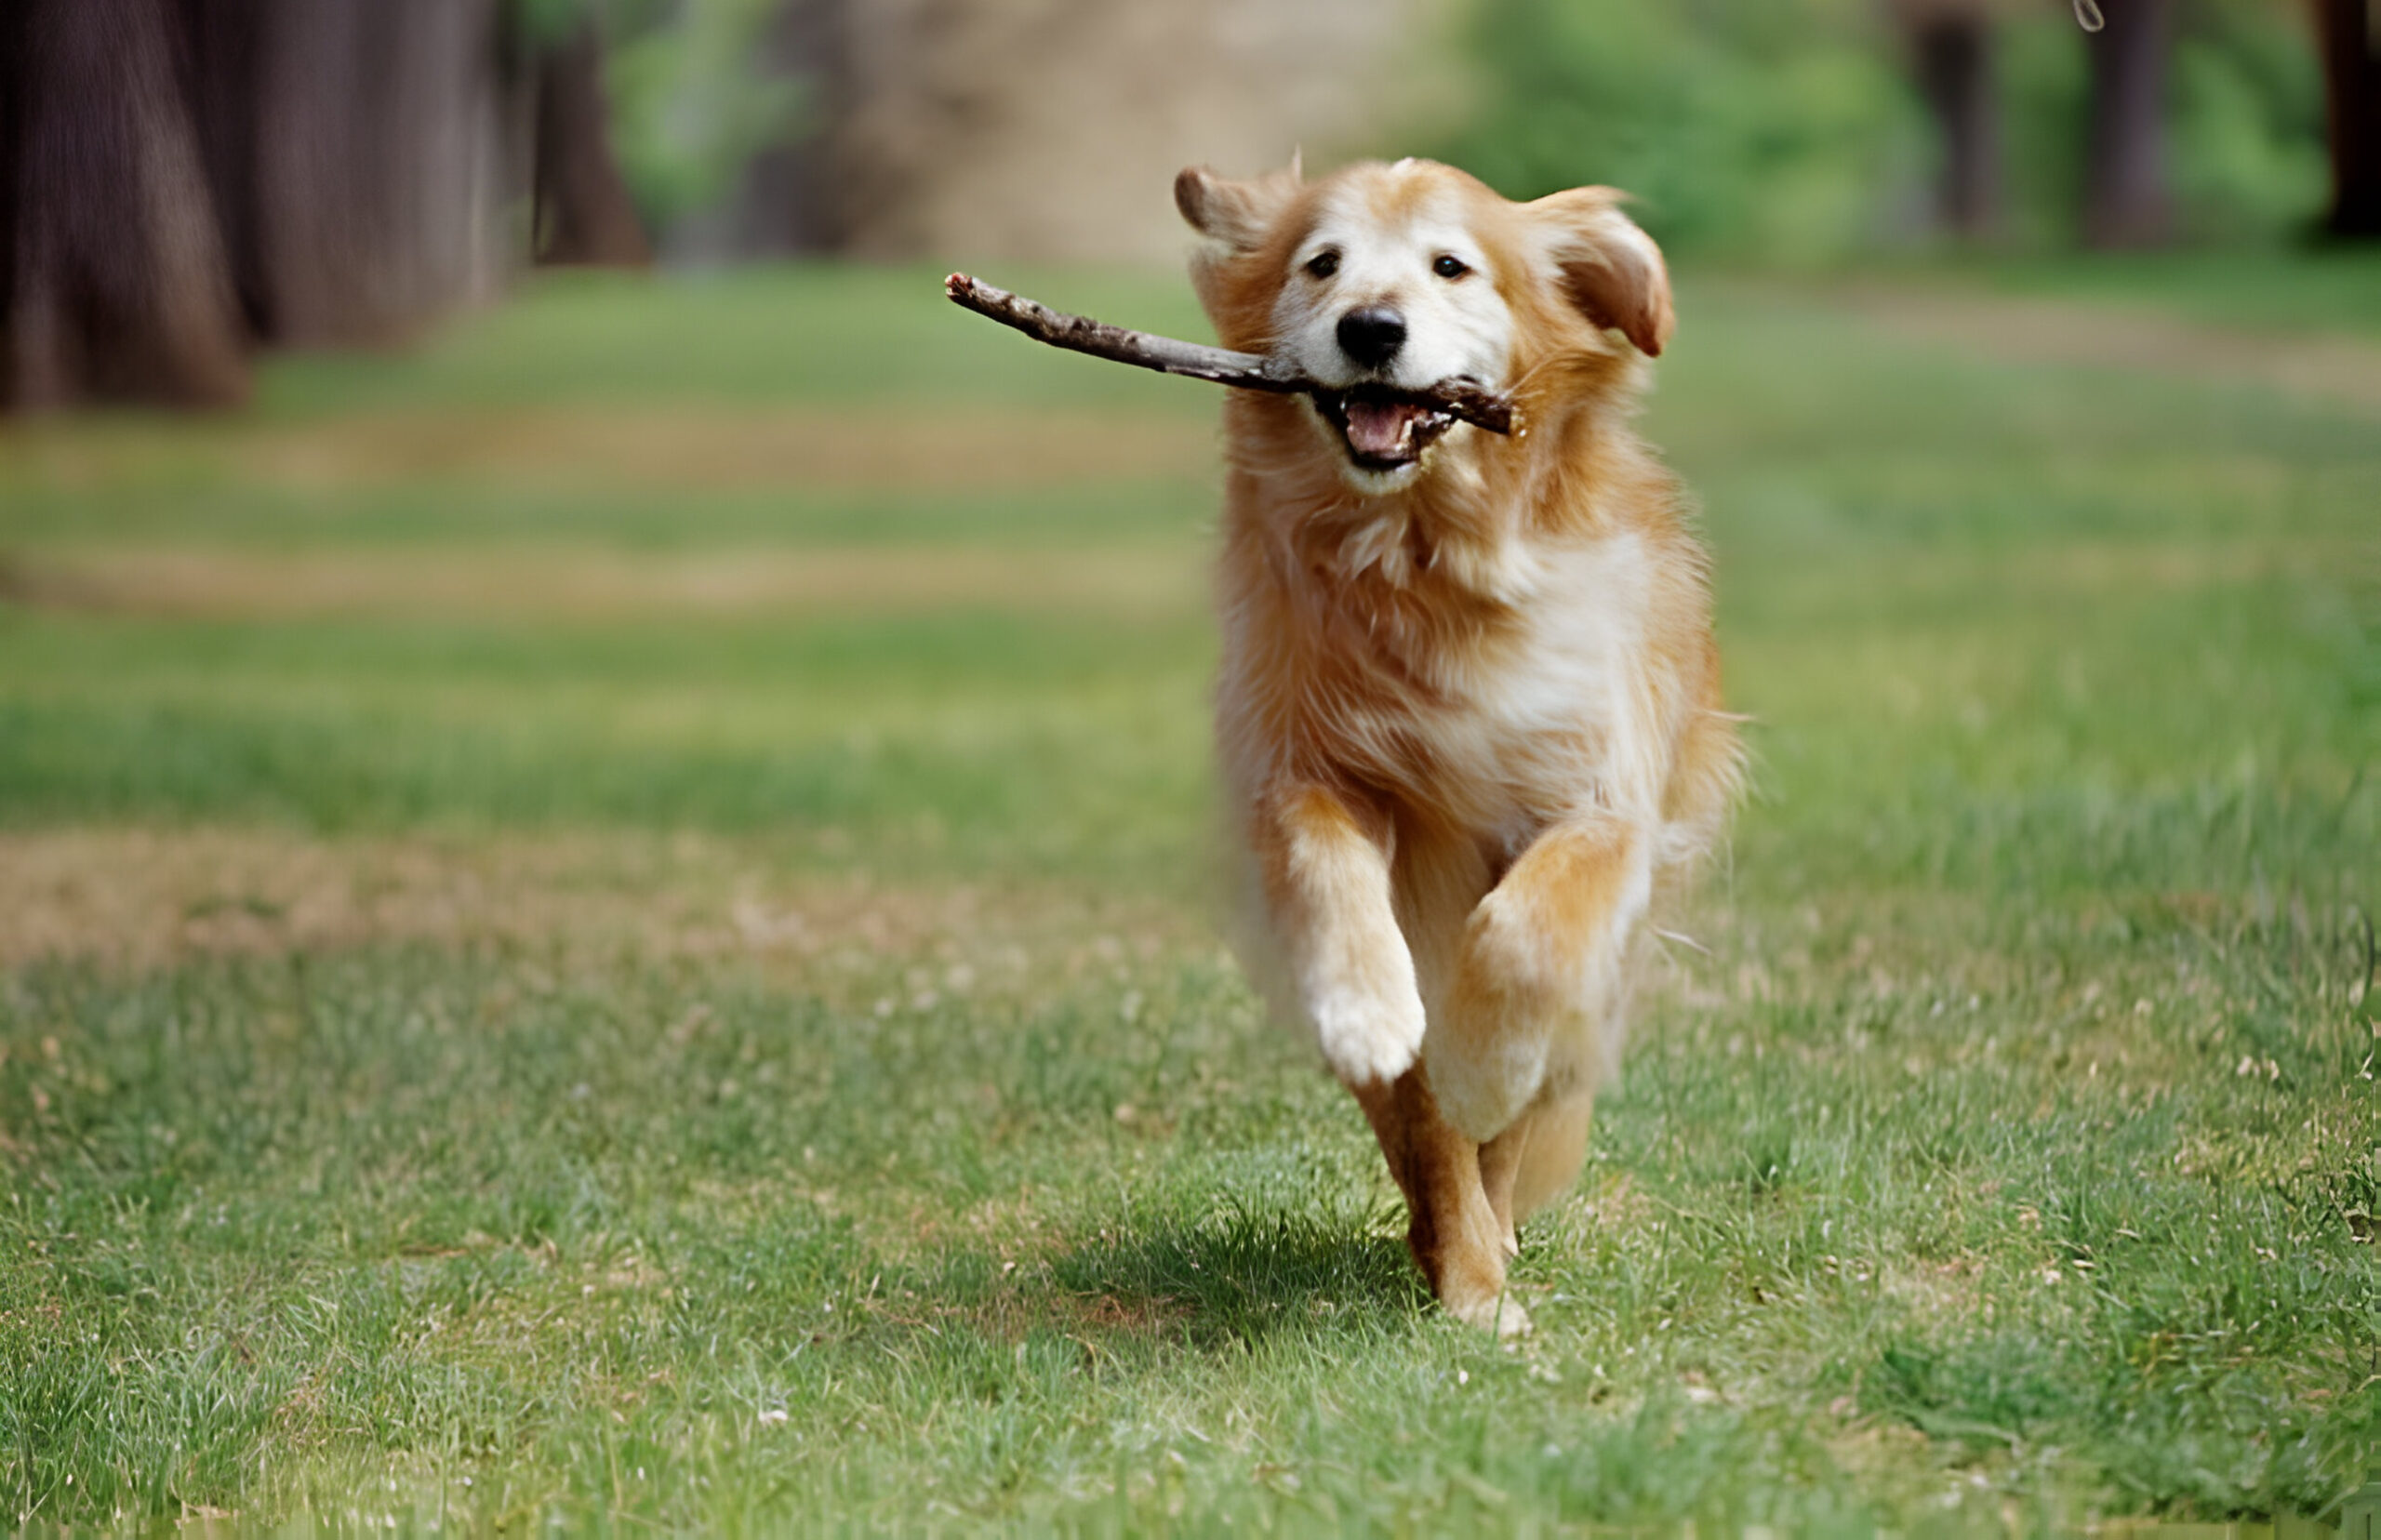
<point x="612" y="923"/>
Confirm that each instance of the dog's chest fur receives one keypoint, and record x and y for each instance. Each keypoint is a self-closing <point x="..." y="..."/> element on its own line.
<point x="1487" y="677"/>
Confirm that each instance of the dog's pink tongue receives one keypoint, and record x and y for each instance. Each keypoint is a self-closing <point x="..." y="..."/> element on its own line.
<point x="1378" y="428"/>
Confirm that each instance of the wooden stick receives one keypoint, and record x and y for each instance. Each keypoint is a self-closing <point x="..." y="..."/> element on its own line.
<point x="1461" y="397"/>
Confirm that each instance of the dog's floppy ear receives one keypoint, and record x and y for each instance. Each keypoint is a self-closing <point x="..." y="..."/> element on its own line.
<point x="1236" y="213"/>
<point x="1612" y="269"/>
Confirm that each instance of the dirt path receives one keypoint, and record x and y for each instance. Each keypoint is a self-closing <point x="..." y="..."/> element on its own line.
<point x="577" y="583"/>
<point x="969" y="448"/>
<point x="2341" y="371"/>
<point x="146" y="897"/>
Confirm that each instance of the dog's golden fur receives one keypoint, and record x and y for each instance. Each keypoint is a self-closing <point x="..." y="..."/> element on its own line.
<point x="1470" y="705"/>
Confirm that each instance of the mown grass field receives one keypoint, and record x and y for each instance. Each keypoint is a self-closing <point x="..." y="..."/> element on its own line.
<point x="611" y="924"/>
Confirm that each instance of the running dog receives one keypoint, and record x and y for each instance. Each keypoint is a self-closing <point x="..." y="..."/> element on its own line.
<point x="1469" y="712"/>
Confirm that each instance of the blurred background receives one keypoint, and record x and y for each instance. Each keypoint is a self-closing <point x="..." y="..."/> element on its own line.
<point x="188" y="181"/>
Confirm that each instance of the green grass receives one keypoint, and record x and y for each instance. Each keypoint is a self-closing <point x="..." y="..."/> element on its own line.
<point x="1051" y="744"/>
<point x="2010" y="1158"/>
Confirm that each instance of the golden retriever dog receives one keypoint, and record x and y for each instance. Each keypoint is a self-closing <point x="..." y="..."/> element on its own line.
<point x="1469" y="710"/>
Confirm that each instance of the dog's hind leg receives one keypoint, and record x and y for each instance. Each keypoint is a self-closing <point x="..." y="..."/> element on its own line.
<point x="1534" y="1162"/>
<point x="1500" y="1164"/>
<point x="1557" y="1148"/>
<point x="1454" y="1236"/>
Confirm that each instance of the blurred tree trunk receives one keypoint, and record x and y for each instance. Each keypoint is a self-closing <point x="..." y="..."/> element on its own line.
<point x="2351" y="40"/>
<point x="181" y="179"/>
<point x="583" y="213"/>
<point x="785" y="204"/>
<point x="381" y="166"/>
<point x="2125" y="198"/>
<point x="221" y="41"/>
<point x="114" y="280"/>
<point x="1952" y="48"/>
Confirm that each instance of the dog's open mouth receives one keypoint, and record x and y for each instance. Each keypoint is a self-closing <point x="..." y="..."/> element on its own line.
<point x="1384" y="428"/>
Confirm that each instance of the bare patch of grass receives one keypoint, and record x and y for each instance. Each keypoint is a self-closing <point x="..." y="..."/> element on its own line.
<point x="726" y="448"/>
<point x="575" y="583"/>
<point x="144" y="898"/>
<point x="2341" y="371"/>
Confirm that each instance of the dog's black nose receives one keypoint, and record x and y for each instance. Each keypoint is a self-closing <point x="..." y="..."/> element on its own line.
<point x="1372" y="336"/>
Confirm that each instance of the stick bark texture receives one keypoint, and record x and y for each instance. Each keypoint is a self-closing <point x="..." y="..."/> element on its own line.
<point x="1466" y="400"/>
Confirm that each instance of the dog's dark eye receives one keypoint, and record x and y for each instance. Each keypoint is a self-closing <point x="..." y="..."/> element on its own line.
<point x="1449" y="266"/>
<point x="1323" y="264"/>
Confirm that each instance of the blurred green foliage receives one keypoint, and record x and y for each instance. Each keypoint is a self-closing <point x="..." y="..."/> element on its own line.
<point x="2244" y="113"/>
<point x="545" y="20"/>
<point x="1740" y="126"/>
<point x="693" y="100"/>
<point x="1789" y="130"/>
<point x="2248" y="118"/>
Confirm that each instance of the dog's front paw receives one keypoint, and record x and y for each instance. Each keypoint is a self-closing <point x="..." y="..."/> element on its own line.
<point x="1368" y="1036"/>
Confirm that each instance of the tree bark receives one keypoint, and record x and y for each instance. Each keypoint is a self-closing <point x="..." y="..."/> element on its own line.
<point x="2351" y="43"/>
<point x="116" y="286"/>
<point x="583" y="212"/>
<point x="1955" y="73"/>
<point x="221" y="48"/>
<point x="381" y="167"/>
<point x="2125" y="197"/>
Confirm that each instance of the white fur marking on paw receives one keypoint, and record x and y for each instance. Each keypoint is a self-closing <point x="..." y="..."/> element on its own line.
<point x="1368" y="1036"/>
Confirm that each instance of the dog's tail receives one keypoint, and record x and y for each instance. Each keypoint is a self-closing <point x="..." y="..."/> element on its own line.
<point x="1557" y="1149"/>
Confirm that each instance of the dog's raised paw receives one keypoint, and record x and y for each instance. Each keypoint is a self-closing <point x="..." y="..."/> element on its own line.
<point x="1368" y="1037"/>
